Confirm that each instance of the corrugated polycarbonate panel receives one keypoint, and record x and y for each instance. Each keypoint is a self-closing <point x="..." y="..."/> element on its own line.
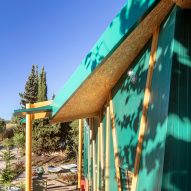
<point x="177" y="162"/>
<point x="86" y="147"/>
<point x="127" y="102"/>
<point x="151" y="165"/>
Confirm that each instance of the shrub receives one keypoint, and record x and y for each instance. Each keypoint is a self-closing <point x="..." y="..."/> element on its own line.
<point x="19" y="142"/>
<point x="2" y="127"/>
<point x="46" y="137"/>
<point x="7" y="174"/>
<point x="8" y="143"/>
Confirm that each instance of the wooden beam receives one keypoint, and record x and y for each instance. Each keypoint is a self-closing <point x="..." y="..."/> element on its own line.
<point x="41" y="115"/>
<point x="80" y="154"/>
<point x="142" y="129"/>
<point x="94" y="156"/>
<point x="90" y="155"/>
<point x="102" y="152"/>
<point x="41" y="104"/>
<point x="107" y="157"/>
<point x="84" y="115"/>
<point x="28" y="183"/>
<point x="98" y="156"/>
<point x="87" y="132"/>
<point x="115" y="144"/>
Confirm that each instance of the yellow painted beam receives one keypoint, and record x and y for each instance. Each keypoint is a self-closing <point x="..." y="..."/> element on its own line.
<point x="90" y="153"/>
<point x="115" y="144"/>
<point x="107" y="157"/>
<point x="41" y="104"/>
<point x="143" y="122"/>
<point x="98" y="157"/>
<point x="94" y="157"/>
<point x="102" y="152"/>
<point x="41" y="115"/>
<point x="80" y="154"/>
<point x="28" y="183"/>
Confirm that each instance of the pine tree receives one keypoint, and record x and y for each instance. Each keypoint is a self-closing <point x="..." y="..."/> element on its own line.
<point x="42" y="86"/>
<point x="31" y="88"/>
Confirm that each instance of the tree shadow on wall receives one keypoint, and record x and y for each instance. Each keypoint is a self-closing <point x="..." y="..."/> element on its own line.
<point x="127" y="16"/>
<point x="158" y="145"/>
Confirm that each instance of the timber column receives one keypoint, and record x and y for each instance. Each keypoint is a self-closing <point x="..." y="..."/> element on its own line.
<point x="80" y="155"/>
<point x="28" y="167"/>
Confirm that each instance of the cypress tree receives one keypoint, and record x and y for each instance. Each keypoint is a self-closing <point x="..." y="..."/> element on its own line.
<point x="42" y="86"/>
<point x="31" y="88"/>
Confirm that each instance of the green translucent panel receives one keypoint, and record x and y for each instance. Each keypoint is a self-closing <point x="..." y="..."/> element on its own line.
<point x="177" y="162"/>
<point x="86" y="147"/>
<point x="151" y="165"/>
<point x="128" y="96"/>
<point x="112" y="171"/>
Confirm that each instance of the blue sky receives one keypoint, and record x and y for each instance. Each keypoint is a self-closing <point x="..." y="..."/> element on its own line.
<point x="54" y="33"/>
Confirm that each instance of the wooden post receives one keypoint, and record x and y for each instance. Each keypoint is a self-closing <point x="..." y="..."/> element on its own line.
<point x="98" y="157"/>
<point x="102" y="153"/>
<point x="90" y="155"/>
<point x="115" y="144"/>
<point x="28" y="183"/>
<point x="80" y="154"/>
<point x="142" y="129"/>
<point x="107" y="157"/>
<point x="94" y="156"/>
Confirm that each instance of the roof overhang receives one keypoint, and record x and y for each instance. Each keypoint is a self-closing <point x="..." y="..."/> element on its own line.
<point x="88" y="97"/>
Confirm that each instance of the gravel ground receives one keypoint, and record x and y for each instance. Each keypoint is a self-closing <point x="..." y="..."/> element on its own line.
<point x="53" y="183"/>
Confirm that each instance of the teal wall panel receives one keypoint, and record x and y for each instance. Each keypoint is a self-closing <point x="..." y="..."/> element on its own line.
<point x="151" y="165"/>
<point x="128" y="96"/>
<point x="166" y="155"/>
<point x="177" y="162"/>
<point x="112" y="171"/>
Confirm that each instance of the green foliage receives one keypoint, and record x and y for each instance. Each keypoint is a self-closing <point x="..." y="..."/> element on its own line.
<point x="46" y="137"/>
<point x="7" y="156"/>
<point x="8" y="143"/>
<point x="72" y="140"/>
<point x="7" y="174"/>
<point x="15" y="119"/>
<point x="2" y="125"/>
<point x="19" y="142"/>
<point x="31" y="88"/>
<point x="42" y="86"/>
